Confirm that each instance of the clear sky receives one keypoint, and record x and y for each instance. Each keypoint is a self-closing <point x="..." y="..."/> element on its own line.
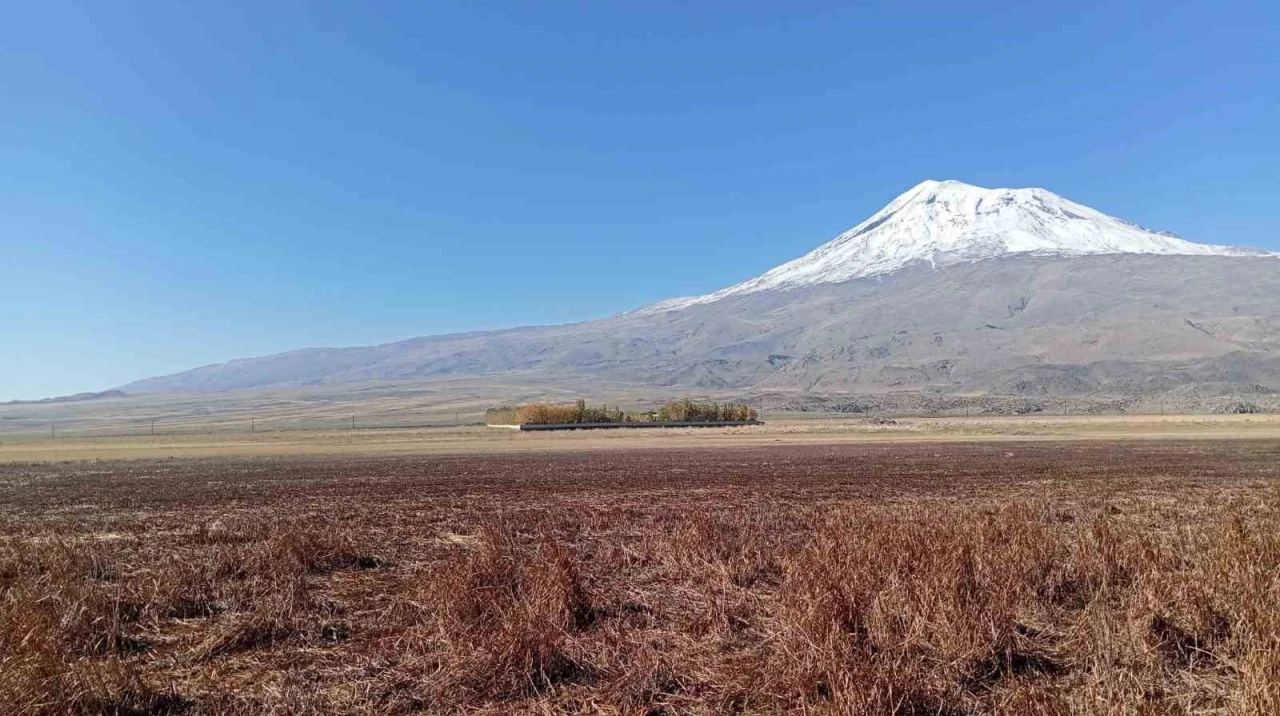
<point x="184" y="183"/>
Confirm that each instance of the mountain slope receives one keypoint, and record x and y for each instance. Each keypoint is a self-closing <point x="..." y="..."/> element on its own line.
<point x="950" y="288"/>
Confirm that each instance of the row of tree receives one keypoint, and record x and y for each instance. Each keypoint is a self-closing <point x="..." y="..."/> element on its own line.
<point x="687" y="411"/>
<point x="579" y="412"/>
<point x="680" y="411"/>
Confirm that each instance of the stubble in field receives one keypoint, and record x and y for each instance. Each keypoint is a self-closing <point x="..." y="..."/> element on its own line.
<point x="914" y="579"/>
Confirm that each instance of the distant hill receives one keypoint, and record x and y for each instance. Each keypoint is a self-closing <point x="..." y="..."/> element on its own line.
<point x="76" y="398"/>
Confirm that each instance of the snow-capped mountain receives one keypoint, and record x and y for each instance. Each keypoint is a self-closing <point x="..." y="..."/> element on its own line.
<point x="950" y="288"/>
<point x="946" y="222"/>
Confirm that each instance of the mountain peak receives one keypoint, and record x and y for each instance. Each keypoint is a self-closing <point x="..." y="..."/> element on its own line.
<point x="942" y="184"/>
<point x="934" y="187"/>
<point x="946" y="222"/>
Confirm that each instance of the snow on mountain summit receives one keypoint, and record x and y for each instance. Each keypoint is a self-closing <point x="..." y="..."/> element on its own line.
<point x="946" y="222"/>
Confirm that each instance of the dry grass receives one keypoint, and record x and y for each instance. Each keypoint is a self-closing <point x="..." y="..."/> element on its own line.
<point x="938" y="579"/>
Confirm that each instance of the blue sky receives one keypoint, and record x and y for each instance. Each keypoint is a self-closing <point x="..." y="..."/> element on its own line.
<point x="185" y="183"/>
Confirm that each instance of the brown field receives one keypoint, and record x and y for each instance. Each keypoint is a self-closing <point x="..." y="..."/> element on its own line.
<point x="787" y="428"/>
<point x="905" y="578"/>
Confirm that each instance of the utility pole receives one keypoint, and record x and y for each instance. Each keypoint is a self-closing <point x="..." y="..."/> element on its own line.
<point x="53" y="430"/>
<point x="153" y="426"/>
<point x="252" y="428"/>
<point x="353" y="422"/>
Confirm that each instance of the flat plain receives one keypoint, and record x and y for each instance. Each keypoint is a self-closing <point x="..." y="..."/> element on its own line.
<point x="844" y="568"/>
<point x="790" y="429"/>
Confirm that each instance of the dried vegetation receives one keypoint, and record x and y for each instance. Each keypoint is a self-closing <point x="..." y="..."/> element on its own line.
<point x="912" y="580"/>
<point x="679" y="411"/>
